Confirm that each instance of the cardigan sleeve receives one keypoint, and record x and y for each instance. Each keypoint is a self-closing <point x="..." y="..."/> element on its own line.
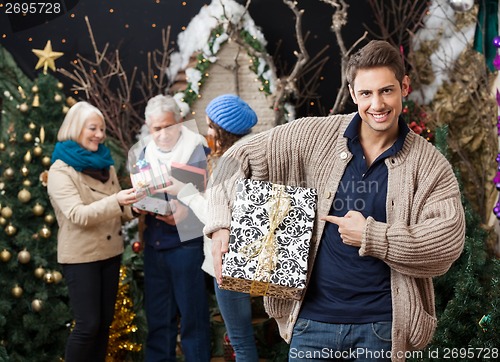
<point x="278" y="155"/>
<point x="240" y="161"/>
<point x="427" y="247"/>
<point x="65" y="194"/>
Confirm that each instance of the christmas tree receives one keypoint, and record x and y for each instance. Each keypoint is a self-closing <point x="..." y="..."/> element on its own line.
<point x="124" y="325"/>
<point x="35" y="319"/>
<point x="34" y="313"/>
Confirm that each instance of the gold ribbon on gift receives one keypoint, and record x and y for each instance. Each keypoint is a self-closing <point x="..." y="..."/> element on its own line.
<point x="265" y="248"/>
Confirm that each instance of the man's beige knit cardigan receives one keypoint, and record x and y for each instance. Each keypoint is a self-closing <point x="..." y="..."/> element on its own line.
<point x="425" y="229"/>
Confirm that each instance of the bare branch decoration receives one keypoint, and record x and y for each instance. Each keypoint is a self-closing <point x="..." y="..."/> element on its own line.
<point x="339" y="20"/>
<point x="110" y="88"/>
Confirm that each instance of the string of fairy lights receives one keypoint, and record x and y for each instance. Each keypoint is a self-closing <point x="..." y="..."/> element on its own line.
<point x="134" y="25"/>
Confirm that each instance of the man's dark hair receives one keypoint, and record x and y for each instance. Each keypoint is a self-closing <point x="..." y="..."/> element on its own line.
<point x="377" y="53"/>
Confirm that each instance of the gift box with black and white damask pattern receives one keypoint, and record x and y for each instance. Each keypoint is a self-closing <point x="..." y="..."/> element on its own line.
<point x="271" y="229"/>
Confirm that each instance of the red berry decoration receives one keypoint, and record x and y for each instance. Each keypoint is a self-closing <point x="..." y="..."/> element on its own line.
<point x="137" y="246"/>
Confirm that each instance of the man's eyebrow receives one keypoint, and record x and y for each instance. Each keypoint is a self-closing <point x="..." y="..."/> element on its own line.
<point x="391" y="86"/>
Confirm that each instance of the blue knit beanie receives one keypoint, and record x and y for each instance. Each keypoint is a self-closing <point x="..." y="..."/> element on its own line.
<point x="232" y="114"/>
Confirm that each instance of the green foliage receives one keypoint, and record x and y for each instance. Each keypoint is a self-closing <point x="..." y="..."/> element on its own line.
<point x="190" y="96"/>
<point x="441" y="142"/>
<point x="214" y="34"/>
<point x="11" y="78"/>
<point x="3" y="355"/>
<point x="29" y="134"/>
<point x="254" y="67"/>
<point x="134" y="263"/>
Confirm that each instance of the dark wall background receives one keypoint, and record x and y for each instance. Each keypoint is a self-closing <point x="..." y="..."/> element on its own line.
<point x="134" y="26"/>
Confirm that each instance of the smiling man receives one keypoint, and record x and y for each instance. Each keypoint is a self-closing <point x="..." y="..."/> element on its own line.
<point x="389" y="219"/>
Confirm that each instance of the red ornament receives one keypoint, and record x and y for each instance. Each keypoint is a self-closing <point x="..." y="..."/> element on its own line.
<point x="137" y="246"/>
<point x="417" y="128"/>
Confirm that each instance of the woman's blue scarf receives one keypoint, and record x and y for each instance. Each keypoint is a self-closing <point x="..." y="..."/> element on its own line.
<point x="79" y="158"/>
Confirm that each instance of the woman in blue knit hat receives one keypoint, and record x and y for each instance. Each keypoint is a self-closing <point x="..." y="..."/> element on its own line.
<point x="229" y="120"/>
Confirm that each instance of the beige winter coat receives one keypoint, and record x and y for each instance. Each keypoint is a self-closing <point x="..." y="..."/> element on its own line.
<point x="425" y="229"/>
<point x="88" y="215"/>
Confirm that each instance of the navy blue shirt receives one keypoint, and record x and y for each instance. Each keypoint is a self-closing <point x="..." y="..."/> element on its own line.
<point x="345" y="287"/>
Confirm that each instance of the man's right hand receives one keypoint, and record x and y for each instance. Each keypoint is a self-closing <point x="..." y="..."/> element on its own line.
<point x="220" y="246"/>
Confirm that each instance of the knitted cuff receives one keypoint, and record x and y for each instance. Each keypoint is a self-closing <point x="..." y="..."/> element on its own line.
<point x="374" y="240"/>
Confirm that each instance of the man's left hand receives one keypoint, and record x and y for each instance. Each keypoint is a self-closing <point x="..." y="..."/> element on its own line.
<point x="351" y="227"/>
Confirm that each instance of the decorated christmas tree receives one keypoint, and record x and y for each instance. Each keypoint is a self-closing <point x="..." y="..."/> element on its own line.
<point x="120" y="346"/>
<point x="34" y="313"/>
<point x="35" y="318"/>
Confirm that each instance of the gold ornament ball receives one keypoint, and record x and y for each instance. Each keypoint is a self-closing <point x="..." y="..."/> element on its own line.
<point x="2" y="185"/>
<point x="24" y="108"/>
<point x="5" y="255"/>
<point x="45" y="232"/>
<point x="32" y="125"/>
<point x="48" y="278"/>
<point x="57" y="276"/>
<point x="2" y="146"/>
<point x="26" y="183"/>
<point x="25" y="171"/>
<point x="8" y="173"/>
<point x="39" y="272"/>
<point x="34" y="89"/>
<point x="37" y="151"/>
<point x="49" y="219"/>
<point x="57" y="98"/>
<point x="6" y="212"/>
<point x="27" y="157"/>
<point x="10" y="230"/>
<point x="60" y="85"/>
<point x="24" y="196"/>
<point x="24" y="256"/>
<point x="3" y="221"/>
<point x="36" y="305"/>
<point x="46" y="161"/>
<point x="70" y="101"/>
<point x="17" y="291"/>
<point x="65" y="109"/>
<point x="38" y="209"/>
<point x="28" y="137"/>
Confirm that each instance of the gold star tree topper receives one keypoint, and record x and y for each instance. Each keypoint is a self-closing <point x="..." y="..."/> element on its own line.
<point x="46" y="57"/>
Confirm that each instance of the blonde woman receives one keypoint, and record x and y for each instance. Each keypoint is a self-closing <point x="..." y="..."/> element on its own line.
<point x="90" y="207"/>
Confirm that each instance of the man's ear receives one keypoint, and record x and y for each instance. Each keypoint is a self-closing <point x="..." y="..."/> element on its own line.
<point x="405" y="86"/>
<point x="353" y="96"/>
